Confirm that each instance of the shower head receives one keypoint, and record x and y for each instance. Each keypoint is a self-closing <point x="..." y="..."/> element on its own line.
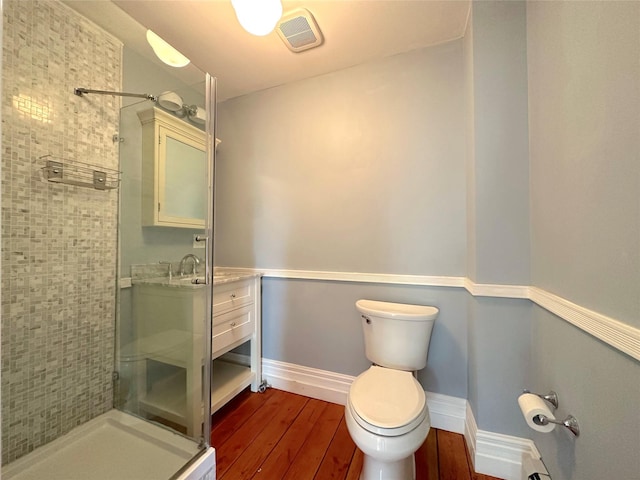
<point x="170" y="101"/>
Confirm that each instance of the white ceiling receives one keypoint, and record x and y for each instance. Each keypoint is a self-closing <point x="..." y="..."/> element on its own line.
<point x="355" y="31"/>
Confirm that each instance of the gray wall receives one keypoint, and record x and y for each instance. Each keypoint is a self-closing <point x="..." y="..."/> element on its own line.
<point x="498" y="210"/>
<point x="499" y="351"/>
<point x="585" y="182"/>
<point x="359" y="170"/>
<point x="585" y="153"/>
<point x="498" y="170"/>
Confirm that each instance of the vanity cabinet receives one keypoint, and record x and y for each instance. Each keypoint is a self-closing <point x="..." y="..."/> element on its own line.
<point x="236" y="320"/>
<point x="174" y="171"/>
<point x="168" y="352"/>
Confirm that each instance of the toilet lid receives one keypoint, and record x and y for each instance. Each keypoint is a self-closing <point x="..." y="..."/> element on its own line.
<point x="387" y="398"/>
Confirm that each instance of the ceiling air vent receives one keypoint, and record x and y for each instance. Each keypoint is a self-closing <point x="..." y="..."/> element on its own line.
<point x="299" y="30"/>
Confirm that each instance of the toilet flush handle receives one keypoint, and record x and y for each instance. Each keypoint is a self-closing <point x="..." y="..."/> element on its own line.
<point x="367" y="319"/>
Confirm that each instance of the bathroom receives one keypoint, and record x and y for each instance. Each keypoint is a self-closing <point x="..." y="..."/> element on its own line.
<point x="495" y="179"/>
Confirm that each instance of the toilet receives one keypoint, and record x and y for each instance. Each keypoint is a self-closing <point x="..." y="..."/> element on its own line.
<point x="386" y="411"/>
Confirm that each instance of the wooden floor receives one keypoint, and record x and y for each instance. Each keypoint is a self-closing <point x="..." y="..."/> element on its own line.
<point x="278" y="435"/>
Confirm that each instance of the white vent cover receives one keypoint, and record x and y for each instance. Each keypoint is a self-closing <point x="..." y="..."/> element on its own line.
<point x="299" y="30"/>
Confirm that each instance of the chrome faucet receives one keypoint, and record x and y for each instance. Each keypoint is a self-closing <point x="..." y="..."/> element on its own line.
<point x="196" y="262"/>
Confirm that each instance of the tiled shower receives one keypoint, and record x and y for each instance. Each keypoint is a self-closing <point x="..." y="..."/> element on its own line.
<point x="59" y="242"/>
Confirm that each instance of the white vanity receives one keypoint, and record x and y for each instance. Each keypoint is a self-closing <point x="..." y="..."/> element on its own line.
<point x="236" y="320"/>
<point x="168" y="315"/>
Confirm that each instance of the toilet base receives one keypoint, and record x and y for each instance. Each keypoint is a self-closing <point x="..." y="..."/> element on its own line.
<point x="374" y="469"/>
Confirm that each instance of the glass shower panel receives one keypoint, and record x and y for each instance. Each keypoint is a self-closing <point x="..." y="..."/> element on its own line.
<point x="162" y="325"/>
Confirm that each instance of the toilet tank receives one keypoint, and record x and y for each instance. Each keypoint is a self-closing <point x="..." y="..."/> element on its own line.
<point x="396" y="335"/>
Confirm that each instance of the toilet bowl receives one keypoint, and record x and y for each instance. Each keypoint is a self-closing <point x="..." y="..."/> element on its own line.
<point x="388" y="419"/>
<point x="386" y="412"/>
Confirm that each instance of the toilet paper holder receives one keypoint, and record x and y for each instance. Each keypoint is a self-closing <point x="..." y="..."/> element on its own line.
<point x="571" y="423"/>
<point x="551" y="397"/>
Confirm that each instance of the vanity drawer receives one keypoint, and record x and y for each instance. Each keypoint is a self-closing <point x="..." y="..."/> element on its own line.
<point x="231" y="327"/>
<point x="232" y="295"/>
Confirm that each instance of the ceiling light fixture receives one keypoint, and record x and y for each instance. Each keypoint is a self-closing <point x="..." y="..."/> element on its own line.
<point x="166" y="52"/>
<point x="258" y="17"/>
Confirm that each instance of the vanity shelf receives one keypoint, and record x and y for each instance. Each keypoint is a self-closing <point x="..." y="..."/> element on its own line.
<point x="228" y="380"/>
<point x="168" y="398"/>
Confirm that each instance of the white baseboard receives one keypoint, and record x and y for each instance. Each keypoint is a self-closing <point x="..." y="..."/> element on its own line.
<point x="446" y="412"/>
<point x="492" y="453"/>
<point x="310" y="382"/>
<point x="495" y="454"/>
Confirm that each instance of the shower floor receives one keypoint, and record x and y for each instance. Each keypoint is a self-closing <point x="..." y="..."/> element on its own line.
<point x="112" y="446"/>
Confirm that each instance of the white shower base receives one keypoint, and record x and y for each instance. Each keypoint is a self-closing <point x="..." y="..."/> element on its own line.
<point x="112" y="446"/>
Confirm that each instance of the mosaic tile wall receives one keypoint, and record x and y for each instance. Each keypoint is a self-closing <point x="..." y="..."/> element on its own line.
<point x="58" y="241"/>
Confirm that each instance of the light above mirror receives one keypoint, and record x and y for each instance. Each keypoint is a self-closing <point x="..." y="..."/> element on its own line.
<point x="258" y="17"/>
<point x="166" y="52"/>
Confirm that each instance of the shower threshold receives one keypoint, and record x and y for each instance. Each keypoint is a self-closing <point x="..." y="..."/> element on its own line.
<point x="114" y="445"/>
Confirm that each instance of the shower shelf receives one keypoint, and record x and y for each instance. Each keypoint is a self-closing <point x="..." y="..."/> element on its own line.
<point x="70" y="172"/>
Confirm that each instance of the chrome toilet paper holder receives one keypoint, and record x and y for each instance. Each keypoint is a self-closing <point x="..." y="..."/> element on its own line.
<point x="571" y="423"/>
<point x="551" y="397"/>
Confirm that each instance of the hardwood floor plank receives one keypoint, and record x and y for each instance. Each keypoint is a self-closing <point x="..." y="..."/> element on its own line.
<point x="452" y="465"/>
<point x="307" y="461"/>
<point x="335" y="463"/>
<point x="432" y="455"/>
<point x="227" y="420"/>
<point x="230" y="450"/>
<point x="279" y="459"/>
<point x="254" y="455"/>
<point x="427" y="458"/>
<point x="356" y="465"/>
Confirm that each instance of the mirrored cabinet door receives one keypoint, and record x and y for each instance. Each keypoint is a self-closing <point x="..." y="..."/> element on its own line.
<point x="174" y="171"/>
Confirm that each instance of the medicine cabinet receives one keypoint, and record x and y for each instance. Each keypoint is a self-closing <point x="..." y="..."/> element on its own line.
<point x="174" y="171"/>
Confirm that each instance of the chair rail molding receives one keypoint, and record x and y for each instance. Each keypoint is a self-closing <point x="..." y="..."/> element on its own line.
<point x="617" y="334"/>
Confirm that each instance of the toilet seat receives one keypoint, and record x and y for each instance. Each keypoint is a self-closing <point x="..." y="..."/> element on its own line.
<point x="387" y="402"/>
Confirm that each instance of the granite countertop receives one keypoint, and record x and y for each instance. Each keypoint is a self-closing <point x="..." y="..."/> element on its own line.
<point x="220" y="276"/>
